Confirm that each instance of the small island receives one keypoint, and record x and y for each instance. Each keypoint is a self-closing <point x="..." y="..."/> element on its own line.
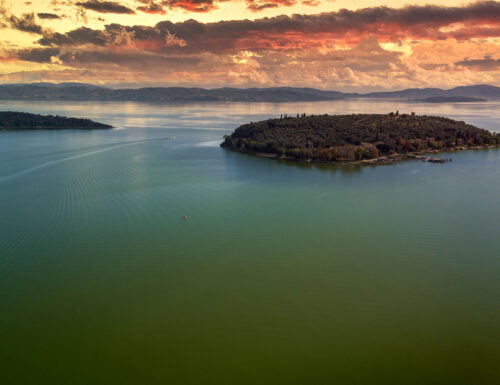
<point x="357" y="138"/>
<point x="17" y="121"/>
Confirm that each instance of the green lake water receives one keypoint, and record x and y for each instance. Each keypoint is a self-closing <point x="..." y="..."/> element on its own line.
<point x="281" y="273"/>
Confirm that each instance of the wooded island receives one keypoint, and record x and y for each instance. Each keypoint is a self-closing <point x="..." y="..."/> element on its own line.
<point x="16" y="121"/>
<point x="362" y="138"/>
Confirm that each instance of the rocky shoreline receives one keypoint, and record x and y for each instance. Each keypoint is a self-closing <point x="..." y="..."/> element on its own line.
<point x="424" y="156"/>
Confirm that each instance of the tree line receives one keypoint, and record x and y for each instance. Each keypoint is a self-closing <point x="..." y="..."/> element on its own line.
<point x="355" y="137"/>
<point x="10" y="120"/>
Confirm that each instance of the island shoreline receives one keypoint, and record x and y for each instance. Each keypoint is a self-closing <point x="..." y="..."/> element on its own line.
<point x="13" y="121"/>
<point x="381" y="161"/>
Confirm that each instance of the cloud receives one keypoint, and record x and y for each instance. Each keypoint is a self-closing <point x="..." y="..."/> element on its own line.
<point x="485" y="64"/>
<point x="105" y="7"/>
<point x="364" y="62"/>
<point x="259" y="5"/>
<point x="443" y="55"/>
<point x="77" y="37"/>
<point x="151" y="7"/>
<point x="171" y="40"/>
<point x="347" y="28"/>
<point x="38" y="55"/>
<point x="378" y="47"/>
<point x="43" y="15"/>
<point x="311" y="3"/>
<point x="25" y="23"/>
<point x="192" y="5"/>
<point x="156" y="6"/>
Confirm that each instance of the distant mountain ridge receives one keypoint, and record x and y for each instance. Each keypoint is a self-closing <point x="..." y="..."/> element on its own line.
<point x="450" y="99"/>
<point x="478" y="91"/>
<point x="89" y="92"/>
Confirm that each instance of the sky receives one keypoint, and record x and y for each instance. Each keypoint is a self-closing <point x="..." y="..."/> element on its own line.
<point x="345" y="45"/>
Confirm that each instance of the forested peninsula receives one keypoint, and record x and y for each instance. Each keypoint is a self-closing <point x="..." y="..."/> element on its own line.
<point x="17" y="121"/>
<point x="357" y="138"/>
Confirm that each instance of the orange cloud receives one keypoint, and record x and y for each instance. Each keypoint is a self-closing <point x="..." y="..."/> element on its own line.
<point x="259" y="5"/>
<point x="192" y="5"/>
<point x="4" y="59"/>
<point x="378" y="46"/>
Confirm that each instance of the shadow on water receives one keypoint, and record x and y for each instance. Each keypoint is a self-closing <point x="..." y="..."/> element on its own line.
<point x="246" y="162"/>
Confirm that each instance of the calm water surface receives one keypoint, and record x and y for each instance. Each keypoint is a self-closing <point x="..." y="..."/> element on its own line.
<point x="281" y="274"/>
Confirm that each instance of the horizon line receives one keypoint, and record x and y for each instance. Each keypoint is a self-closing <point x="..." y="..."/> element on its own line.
<point x="115" y="86"/>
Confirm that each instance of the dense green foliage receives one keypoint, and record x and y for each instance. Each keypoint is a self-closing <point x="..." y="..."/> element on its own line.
<point x="24" y="121"/>
<point x="355" y="137"/>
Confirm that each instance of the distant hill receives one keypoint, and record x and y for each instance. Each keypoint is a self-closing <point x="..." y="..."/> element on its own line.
<point x="478" y="91"/>
<point x="449" y="99"/>
<point x="88" y="92"/>
<point x="17" y="121"/>
<point x="162" y="94"/>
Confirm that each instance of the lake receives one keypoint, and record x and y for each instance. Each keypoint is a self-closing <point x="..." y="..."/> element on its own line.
<point x="280" y="274"/>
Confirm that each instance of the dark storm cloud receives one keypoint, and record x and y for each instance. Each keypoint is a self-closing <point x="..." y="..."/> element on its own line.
<point x="25" y="23"/>
<point x="105" y="7"/>
<point x="43" y="15"/>
<point x="297" y="31"/>
<point x="388" y="24"/>
<point x="80" y="36"/>
<point x="485" y="64"/>
<point x="131" y="60"/>
<point x="38" y="55"/>
<point x="151" y="7"/>
<point x="101" y="58"/>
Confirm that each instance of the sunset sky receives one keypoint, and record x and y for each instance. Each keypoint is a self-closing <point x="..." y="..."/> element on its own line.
<point x="345" y="45"/>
